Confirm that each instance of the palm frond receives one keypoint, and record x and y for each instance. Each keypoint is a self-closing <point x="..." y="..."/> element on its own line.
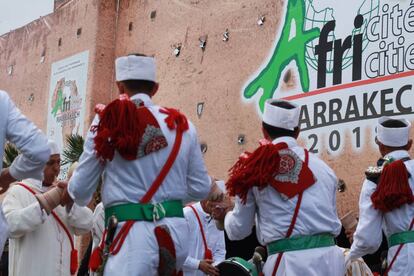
<point x="10" y="153"/>
<point x="73" y="149"/>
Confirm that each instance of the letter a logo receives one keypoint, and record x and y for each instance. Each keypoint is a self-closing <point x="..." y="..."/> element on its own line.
<point x="287" y="49"/>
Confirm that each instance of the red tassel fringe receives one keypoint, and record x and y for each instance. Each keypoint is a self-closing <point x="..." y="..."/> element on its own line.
<point x="255" y="169"/>
<point x="95" y="260"/>
<point x="208" y="255"/>
<point x="118" y="129"/>
<point x="393" y="189"/>
<point x="73" y="261"/>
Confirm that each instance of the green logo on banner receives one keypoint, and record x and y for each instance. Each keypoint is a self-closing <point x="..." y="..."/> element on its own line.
<point x="287" y="49"/>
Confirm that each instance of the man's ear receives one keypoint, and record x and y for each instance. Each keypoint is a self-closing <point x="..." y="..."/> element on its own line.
<point x="409" y="144"/>
<point x="121" y="87"/>
<point x="154" y="89"/>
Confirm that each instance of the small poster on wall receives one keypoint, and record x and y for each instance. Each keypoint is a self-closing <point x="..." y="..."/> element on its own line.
<point x="66" y="105"/>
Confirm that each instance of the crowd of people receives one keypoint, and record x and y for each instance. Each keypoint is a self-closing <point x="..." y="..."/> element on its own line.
<point x="163" y="214"/>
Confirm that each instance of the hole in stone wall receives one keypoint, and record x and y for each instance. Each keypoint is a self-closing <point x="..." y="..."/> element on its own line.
<point x="153" y="15"/>
<point x="10" y="70"/>
<point x="60" y="42"/>
<point x="31" y="98"/>
<point x="203" y="147"/>
<point x="341" y="187"/>
<point x="241" y="139"/>
<point x="130" y="26"/>
<point x="43" y="56"/>
<point x="79" y="32"/>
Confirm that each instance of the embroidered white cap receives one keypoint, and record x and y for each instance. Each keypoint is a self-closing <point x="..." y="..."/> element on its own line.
<point x="281" y="117"/>
<point x="393" y="137"/>
<point x="135" y="68"/>
<point x="54" y="148"/>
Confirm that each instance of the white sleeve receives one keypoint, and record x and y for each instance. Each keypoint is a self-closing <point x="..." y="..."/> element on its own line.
<point x="80" y="219"/>
<point x="198" y="180"/>
<point x="368" y="235"/>
<point x="21" y="219"/>
<point x="239" y="222"/>
<point x="85" y="178"/>
<point x="191" y="263"/>
<point x="98" y="224"/>
<point x="4" y="230"/>
<point x="219" y="252"/>
<point x="31" y="143"/>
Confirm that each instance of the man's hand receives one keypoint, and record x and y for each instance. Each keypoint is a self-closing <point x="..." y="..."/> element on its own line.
<point x="350" y="234"/>
<point x="66" y="200"/>
<point x="5" y="180"/>
<point x="220" y="210"/>
<point x="207" y="267"/>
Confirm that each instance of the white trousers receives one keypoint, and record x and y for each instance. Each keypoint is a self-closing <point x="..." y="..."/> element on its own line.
<point x="404" y="264"/>
<point x="139" y="253"/>
<point x="326" y="261"/>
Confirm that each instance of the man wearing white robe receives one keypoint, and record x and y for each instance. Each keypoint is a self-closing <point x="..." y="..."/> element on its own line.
<point x="32" y="144"/>
<point x="195" y="264"/>
<point x="127" y="181"/>
<point x="38" y="245"/>
<point x="394" y="144"/>
<point x="272" y="212"/>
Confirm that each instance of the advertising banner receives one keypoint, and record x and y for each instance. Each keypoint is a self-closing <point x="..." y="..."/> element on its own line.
<point x="66" y="105"/>
<point x="353" y="61"/>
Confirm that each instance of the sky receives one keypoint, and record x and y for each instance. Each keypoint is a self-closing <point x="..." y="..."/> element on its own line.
<point x="17" y="13"/>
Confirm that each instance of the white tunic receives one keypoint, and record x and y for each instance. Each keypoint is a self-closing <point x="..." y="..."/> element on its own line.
<point x="29" y="140"/>
<point x="368" y="235"/>
<point x="127" y="181"/>
<point x="317" y="215"/>
<point x="214" y="238"/>
<point x="38" y="245"/>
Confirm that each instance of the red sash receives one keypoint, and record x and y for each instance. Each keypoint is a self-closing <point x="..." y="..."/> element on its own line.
<point x="208" y="255"/>
<point x="74" y="252"/>
<point x="293" y="222"/>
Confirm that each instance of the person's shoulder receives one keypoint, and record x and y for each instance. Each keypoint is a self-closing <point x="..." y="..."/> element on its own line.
<point x="3" y="94"/>
<point x="315" y="160"/>
<point x="17" y="189"/>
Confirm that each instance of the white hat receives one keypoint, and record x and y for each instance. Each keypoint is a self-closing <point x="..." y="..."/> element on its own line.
<point x="222" y="185"/>
<point x="54" y="148"/>
<point x="281" y="117"/>
<point x="135" y="68"/>
<point x="393" y="137"/>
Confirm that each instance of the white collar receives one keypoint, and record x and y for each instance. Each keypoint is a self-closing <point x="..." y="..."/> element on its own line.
<point x="398" y="154"/>
<point x="143" y="97"/>
<point x="37" y="184"/>
<point x="290" y="141"/>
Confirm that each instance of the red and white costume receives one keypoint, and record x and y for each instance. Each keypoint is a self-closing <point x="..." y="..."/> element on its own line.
<point x="214" y="240"/>
<point x="271" y="205"/>
<point x="373" y="219"/>
<point x="126" y="181"/>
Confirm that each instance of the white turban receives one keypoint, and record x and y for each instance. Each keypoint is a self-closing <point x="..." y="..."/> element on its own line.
<point x="281" y="117"/>
<point x="54" y="148"/>
<point x="393" y="137"/>
<point x="135" y="68"/>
